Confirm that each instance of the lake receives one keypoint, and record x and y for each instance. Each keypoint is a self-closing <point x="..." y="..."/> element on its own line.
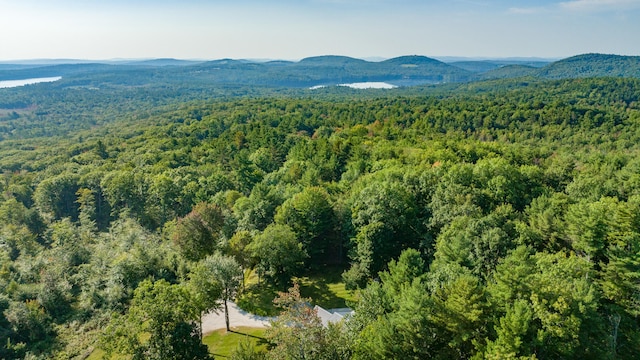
<point x="370" y="85"/>
<point x="361" y="85"/>
<point x="15" y="83"/>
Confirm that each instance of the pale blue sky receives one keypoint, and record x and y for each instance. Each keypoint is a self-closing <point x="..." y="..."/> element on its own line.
<point x="293" y="29"/>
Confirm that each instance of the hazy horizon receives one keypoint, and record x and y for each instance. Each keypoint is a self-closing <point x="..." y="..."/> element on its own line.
<point x="48" y="61"/>
<point x="292" y="30"/>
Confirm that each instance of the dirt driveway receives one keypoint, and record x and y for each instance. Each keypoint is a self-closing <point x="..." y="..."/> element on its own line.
<point x="237" y="318"/>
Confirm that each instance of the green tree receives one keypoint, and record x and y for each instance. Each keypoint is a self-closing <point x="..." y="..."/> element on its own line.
<point x="587" y="228"/>
<point x="256" y="211"/>
<point x="545" y="215"/>
<point x="384" y="216"/>
<point x="511" y="333"/>
<point x="297" y="333"/>
<point x="246" y="350"/>
<point x="311" y="217"/>
<point x="56" y="196"/>
<point x="229" y="274"/>
<point x="477" y="244"/>
<point x="166" y="313"/>
<point x="394" y="318"/>
<point x="409" y="267"/>
<point x="29" y="322"/>
<point x="562" y="301"/>
<point x="206" y="289"/>
<point x="278" y="252"/>
<point x="197" y="234"/>
<point x="164" y="192"/>
<point x="237" y="247"/>
<point x="460" y="308"/>
<point x="126" y="189"/>
<point x="87" y="208"/>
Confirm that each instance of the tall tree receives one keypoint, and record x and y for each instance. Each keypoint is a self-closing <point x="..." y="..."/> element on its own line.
<point x="56" y="196"/>
<point x="229" y="274"/>
<point x="205" y="288"/>
<point x="237" y="247"/>
<point x="197" y="234"/>
<point x="311" y="217"/>
<point x="384" y="215"/>
<point x="278" y="252"/>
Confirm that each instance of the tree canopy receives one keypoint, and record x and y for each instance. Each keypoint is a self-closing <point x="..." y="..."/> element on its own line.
<point x="496" y="219"/>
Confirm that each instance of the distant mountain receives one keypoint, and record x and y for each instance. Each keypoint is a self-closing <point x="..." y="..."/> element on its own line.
<point x="223" y="62"/>
<point x="508" y="72"/>
<point x="404" y="70"/>
<point x="417" y="68"/>
<point x="53" y="70"/>
<point x="161" y="62"/>
<point x="592" y="65"/>
<point x="488" y="65"/>
<point x="587" y="65"/>
<point x="48" y="62"/>
<point x="475" y="66"/>
<point x="329" y="70"/>
<point x="16" y="66"/>
<point x="412" y="61"/>
<point x="330" y="60"/>
<point x="318" y="70"/>
<point x="505" y="60"/>
<point x="279" y="62"/>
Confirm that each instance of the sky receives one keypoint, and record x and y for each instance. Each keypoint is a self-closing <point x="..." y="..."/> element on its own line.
<point x="294" y="29"/>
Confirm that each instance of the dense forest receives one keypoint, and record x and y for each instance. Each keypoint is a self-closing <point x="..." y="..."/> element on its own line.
<point x="489" y="220"/>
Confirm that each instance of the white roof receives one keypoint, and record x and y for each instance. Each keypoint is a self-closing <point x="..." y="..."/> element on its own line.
<point x="331" y="315"/>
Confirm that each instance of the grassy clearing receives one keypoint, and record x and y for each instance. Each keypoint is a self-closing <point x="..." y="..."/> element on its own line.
<point x="257" y="298"/>
<point x="96" y="354"/>
<point x="222" y="343"/>
<point x="325" y="289"/>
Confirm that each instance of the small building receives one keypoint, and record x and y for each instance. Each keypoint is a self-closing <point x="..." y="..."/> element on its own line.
<point x="331" y="315"/>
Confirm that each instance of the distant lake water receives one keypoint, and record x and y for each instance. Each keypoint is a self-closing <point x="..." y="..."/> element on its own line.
<point x="361" y="85"/>
<point x="370" y="85"/>
<point x="16" y="83"/>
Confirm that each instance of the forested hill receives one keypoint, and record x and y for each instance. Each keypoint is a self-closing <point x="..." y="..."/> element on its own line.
<point x="321" y="70"/>
<point x="489" y="223"/>
<point x="581" y="66"/>
<point x="509" y="72"/>
<point x="592" y="65"/>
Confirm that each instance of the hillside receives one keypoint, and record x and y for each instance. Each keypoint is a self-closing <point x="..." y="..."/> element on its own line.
<point x="421" y="67"/>
<point x="482" y="66"/>
<point x="307" y="72"/>
<point x="476" y="66"/>
<point x="26" y="71"/>
<point x="331" y="61"/>
<point x="592" y="65"/>
<point x="163" y="62"/>
<point x="508" y="72"/>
